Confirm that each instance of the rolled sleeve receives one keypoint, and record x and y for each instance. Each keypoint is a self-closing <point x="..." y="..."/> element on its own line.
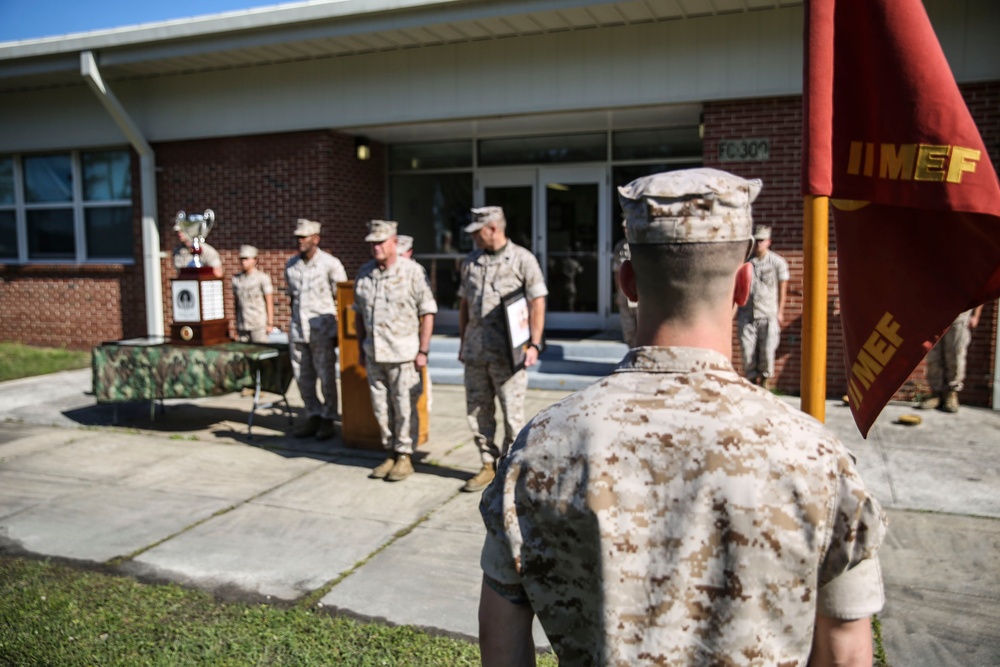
<point x="857" y="528"/>
<point x="498" y="559"/>
<point x="855" y="594"/>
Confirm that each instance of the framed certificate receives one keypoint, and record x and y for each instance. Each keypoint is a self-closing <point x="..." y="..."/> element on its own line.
<point x="515" y="308"/>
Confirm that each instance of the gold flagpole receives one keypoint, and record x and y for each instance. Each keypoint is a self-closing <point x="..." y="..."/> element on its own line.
<point x="816" y="223"/>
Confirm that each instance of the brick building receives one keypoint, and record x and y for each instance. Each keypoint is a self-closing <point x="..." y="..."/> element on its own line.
<point x="346" y="111"/>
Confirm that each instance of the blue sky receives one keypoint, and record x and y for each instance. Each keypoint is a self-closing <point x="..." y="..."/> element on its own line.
<point x="28" y="19"/>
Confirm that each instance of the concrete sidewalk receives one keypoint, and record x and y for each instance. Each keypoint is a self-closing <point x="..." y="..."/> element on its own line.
<point x="189" y="497"/>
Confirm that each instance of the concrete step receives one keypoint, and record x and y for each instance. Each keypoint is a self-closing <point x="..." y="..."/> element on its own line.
<point x="565" y="364"/>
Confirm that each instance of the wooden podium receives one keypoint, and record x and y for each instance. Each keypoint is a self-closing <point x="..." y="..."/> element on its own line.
<point x="360" y="430"/>
<point x="199" y="308"/>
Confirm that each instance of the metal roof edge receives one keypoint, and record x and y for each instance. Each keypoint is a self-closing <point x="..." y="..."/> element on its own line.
<point x="226" y="22"/>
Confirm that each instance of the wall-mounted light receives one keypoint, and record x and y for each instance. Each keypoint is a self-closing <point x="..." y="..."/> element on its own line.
<point x="701" y="126"/>
<point x="362" y="149"/>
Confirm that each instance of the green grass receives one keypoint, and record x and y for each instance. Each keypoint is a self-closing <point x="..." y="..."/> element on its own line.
<point x="19" y="361"/>
<point x="880" y="658"/>
<point x="53" y="614"/>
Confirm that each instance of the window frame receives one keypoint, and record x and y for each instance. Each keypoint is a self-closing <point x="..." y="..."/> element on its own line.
<point x="77" y="205"/>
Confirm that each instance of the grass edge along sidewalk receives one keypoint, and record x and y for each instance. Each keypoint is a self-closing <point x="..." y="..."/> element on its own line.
<point x="20" y="361"/>
<point x="56" y="614"/>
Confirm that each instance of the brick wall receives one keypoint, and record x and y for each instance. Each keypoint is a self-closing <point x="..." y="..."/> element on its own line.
<point x="76" y="306"/>
<point x="780" y="205"/>
<point x="258" y="186"/>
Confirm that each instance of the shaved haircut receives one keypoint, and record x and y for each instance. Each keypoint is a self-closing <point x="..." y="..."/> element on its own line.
<point x="683" y="278"/>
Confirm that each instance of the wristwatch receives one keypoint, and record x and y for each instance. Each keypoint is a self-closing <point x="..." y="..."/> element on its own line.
<point x="538" y="346"/>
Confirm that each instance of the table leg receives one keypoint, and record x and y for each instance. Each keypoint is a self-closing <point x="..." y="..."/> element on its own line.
<point x="253" y="410"/>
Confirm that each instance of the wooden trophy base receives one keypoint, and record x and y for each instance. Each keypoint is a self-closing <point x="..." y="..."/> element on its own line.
<point x="199" y="308"/>
<point x="200" y="333"/>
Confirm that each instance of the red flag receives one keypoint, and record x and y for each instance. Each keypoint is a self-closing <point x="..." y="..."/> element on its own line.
<point x="915" y="198"/>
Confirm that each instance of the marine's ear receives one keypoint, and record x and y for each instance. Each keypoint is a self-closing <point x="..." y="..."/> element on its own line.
<point x="626" y="280"/>
<point x="743" y="282"/>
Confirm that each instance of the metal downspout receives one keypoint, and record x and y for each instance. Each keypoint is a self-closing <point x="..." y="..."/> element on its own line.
<point x="147" y="168"/>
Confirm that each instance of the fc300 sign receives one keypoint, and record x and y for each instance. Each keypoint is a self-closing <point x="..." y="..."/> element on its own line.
<point x="743" y="150"/>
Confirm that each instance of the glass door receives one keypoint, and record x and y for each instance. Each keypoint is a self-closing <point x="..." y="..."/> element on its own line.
<point x="560" y="214"/>
<point x="514" y="191"/>
<point x="573" y="212"/>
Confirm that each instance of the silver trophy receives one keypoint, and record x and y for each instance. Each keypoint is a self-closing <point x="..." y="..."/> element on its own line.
<point x="196" y="227"/>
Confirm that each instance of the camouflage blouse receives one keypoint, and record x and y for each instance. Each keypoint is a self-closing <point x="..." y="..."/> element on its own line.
<point x="486" y="279"/>
<point x="391" y="303"/>
<point x="672" y="513"/>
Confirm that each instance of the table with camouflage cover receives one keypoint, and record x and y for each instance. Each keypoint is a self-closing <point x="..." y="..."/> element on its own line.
<point x="153" y="369"/>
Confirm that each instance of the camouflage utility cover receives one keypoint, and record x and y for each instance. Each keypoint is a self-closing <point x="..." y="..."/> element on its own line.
<point x="688" y="206"/>
<point x="486" y="279"/>
<point x="391" y="303"/>
<point x="123" y="373"/>
<point x="674" y="514"/>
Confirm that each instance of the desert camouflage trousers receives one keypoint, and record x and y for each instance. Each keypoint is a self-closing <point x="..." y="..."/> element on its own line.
<point x="483" y="384"/>
<point x="758" y="344"/>
<point x="395" y="390"/>
<point x="946" y="360"/>
<point x="312" y="361"/>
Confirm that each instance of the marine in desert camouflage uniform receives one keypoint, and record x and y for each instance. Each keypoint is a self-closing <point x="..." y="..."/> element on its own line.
<point x="311" y="277"/>
<point x="496" y="269"/>
<point x="395" y="307"/>
<point x="759" y="320"/>
<point x="673" y="513"/>
<point x="946" y="362"/>
<point x="254" y="296"/>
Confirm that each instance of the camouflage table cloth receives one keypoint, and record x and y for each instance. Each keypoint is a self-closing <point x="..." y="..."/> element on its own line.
<point x="136" y="370"/>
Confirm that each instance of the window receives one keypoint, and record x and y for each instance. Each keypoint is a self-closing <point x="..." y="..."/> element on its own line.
<point x="66" y="207"/>
<point x="8" y="219"/>
<point x="659" y="144"/>
<point x="434" y="209"/>
<point x="438" y="155"/>
<point x="543" y="150"/>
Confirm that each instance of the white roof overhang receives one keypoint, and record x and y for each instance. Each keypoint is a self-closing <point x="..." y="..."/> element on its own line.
<point x="326" y="29"/>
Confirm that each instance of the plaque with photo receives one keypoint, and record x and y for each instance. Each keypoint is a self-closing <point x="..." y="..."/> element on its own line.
<point x="516" y="318"/>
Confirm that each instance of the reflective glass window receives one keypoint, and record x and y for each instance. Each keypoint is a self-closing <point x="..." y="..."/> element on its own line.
<point x="48" y="178"/>
<point x="6" y="180"/>
<point x="591" y="147"/>
<point x="50" y="234"/>
<point x="8" y="235"/>
<point x="433" y="209"/>
<point x="438" y="155"/>
<point x="109" y="232"/>
<point x="668" y="143"/>
<point x="107" y="175"/>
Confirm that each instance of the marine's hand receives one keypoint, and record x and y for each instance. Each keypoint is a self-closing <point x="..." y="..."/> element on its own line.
<point x="530" y="357"/>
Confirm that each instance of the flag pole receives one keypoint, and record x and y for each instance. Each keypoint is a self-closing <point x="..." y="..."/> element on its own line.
<point x="816" y="234"/>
